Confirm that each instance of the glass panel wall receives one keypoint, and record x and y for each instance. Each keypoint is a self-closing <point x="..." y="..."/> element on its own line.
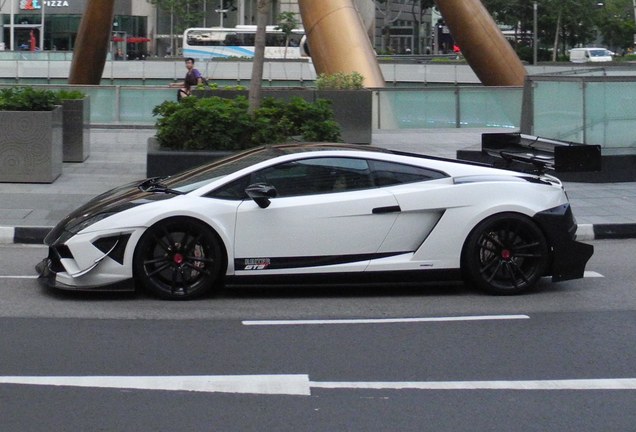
<point x="558" y="110"/>
<point x="610" y="115"/>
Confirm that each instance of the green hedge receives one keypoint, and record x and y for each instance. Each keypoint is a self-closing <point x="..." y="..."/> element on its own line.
<point x="224" y="124"/>
<point x="31" y="99"/>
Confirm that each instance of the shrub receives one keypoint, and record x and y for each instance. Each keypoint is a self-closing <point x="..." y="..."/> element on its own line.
<point x="70" y="94"/>
<point x="340" y="81"/>
<point x="28" y="99"/>
<point x="224" y="124"/>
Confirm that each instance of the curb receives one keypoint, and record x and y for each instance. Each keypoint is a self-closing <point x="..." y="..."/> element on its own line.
<point x="584" y="232"/>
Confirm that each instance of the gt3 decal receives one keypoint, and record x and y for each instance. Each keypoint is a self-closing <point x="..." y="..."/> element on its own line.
<point x="256" y="263"/>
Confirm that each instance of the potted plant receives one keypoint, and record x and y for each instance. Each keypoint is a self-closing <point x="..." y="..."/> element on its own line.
<point x="352" y="104"/>
<point x="76" y="110"/>
<point x="195" y="131"/>
<point x="31" y="139"/>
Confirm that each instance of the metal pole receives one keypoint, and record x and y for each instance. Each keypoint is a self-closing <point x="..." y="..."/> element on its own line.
<point x="42" y="27"/>
<point x="535" y="29"/>
<point x="11" y="27"/>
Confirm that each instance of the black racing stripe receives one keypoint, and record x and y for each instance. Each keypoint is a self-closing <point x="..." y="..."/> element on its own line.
<point x="306" y="261"/>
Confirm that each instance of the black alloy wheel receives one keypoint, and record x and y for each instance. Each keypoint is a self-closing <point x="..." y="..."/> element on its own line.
<point x="178" y="259"/>
<point x="506" y="254"/>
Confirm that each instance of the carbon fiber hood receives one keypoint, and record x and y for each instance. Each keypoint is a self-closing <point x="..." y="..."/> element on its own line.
<point x="115" y="200"/>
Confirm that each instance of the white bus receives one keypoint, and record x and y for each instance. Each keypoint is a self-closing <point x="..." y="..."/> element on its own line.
<point x="202" y="43"/>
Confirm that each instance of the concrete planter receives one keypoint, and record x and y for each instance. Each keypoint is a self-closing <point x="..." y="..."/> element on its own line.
<point x="353" y="109"/>
<point x="30" y="146"/>
<point x="164" y="162"/>
<point x="76" y="129"/>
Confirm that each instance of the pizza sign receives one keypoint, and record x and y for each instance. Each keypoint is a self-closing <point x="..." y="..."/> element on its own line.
<point x="37" y="4"/>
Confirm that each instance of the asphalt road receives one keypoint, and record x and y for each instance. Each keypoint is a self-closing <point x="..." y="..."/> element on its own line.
<point x="322" y="358"/>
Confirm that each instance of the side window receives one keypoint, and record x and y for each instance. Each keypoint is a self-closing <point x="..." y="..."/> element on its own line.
<point x="392" y="173"/>
<point x="234" y="190"/>
<point x="316" y="176"/>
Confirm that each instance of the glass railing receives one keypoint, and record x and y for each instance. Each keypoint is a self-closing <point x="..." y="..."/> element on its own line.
<point x="589" y="109"/>
<point x="443" y="107"/>
<point x="598" y="107"/>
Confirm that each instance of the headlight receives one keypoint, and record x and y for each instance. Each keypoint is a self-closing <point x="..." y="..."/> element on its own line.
<point x="88" y="222"/>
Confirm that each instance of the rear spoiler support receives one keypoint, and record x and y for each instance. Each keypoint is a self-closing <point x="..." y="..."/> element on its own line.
<point x="542" y="153"/>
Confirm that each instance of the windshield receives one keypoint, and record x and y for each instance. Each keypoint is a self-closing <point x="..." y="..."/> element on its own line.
<point x="598" y="53"/>
<point x="199" y="176"/>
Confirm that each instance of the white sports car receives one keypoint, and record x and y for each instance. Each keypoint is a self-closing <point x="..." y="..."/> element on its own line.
<point x="319" y="210"/>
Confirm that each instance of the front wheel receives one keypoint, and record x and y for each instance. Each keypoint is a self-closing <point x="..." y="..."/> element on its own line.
<point x="506" y="254"/>
<point x="178" y="259"/>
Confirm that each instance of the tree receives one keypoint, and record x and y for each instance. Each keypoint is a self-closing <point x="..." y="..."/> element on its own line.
<point x="262" y="12"/>
<point x="616" y="24"/>
<point x="418" y="10"/>
<point x="562" y="23"/>
<point x="387" y="20"/>
<point x="188" y="13"/>
<point x="287" y="23"/>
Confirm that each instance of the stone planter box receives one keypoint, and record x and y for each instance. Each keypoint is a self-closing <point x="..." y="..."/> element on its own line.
<point x="165" y="162"/>
<point x="76" y="129"/>
<point x="30" y="146"/>
<point x="353" y="109"/>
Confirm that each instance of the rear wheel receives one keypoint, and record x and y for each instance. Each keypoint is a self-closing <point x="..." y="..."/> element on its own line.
<point x="506" y="254"/>
<point x="178" y="259"/>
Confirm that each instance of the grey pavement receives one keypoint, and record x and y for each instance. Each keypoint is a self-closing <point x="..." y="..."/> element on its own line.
<point x="118" y="155"/>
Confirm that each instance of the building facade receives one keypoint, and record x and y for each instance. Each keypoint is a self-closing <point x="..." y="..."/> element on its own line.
<point x="140" y="29"/>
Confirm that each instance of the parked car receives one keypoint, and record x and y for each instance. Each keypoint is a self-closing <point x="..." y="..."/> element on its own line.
<point x="319" y="211"/>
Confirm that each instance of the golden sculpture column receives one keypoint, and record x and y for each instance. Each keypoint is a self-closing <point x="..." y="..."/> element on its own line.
<point x="483" y="45"/>
<point x="338" y="40"/>
<point x="91" y="45"/>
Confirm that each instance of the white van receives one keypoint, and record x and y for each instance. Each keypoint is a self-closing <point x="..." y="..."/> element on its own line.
<point x="584" y="55"/>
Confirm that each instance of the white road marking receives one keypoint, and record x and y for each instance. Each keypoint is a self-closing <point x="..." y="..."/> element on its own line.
<point x="253" y="384"/>
<point x="383" y="320"/>
<point x="6" y="235"/>
<point x="592" y="274"/>
<point x="300" y="385"/>
<point x="18" y="277"/>
<point x="574" y="384"/>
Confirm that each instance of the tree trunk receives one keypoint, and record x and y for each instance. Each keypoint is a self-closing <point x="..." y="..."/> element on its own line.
<point x="259" y="55"/>
<point x="556" y="37"/>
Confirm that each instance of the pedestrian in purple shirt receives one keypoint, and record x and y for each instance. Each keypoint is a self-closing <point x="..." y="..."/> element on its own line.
<point x="193" y="78"/>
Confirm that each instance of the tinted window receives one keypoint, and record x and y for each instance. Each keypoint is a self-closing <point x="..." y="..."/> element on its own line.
<point x="391" y="173"/>
<point x="316" y="176"/>
<point x="306" y="177"/>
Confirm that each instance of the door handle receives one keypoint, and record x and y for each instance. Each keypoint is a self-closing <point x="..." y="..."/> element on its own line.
<point x="389" y="209"/>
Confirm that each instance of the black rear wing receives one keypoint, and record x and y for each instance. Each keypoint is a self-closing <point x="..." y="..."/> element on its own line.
<point x="542" y="153"/>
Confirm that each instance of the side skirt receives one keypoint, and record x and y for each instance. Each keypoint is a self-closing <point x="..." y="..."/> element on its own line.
<point x="411" y="276"/>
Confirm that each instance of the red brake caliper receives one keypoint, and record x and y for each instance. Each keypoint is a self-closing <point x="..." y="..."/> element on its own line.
<point x="178" y="258"/>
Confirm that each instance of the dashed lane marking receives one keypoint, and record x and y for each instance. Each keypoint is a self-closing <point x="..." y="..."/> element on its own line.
<point x="382" y="320"/>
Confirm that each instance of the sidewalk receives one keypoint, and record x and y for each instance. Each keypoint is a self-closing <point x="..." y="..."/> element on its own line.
<point x="117" y="156"/>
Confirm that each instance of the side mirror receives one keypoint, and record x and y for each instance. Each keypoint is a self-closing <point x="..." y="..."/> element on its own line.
<point x="261" y="193"/>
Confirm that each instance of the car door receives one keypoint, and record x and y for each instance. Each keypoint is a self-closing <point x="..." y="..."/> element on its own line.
<point x="422" y="195"/>
<point x="327" y="212"/>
